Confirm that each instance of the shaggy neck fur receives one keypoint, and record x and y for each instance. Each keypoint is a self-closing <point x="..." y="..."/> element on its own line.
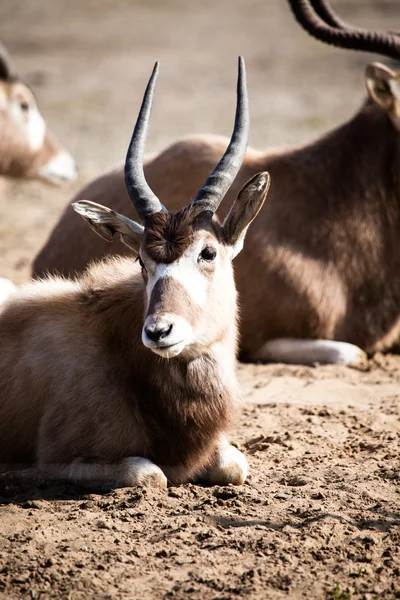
<point x="185" y="404"/>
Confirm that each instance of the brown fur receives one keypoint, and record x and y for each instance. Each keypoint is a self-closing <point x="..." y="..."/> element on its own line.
<point x="17" y="158"/>
<point x="173" y="298"/>
<point x="322" y="259"/>
<point x="168" y="235"/>
<point x="78" y="385"/>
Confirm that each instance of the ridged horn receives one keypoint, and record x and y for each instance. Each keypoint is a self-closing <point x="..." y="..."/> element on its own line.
<point x="139" y="192"/>
<point x="335" y="32"/>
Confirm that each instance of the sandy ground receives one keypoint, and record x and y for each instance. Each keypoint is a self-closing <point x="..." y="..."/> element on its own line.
<point x="320" y="514"/>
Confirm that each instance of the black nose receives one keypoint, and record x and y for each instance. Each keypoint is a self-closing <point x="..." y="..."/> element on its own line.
<point x="158" y="332"/>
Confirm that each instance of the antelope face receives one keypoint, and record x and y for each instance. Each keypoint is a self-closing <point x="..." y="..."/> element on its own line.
<point x="190" y="292"/>
<point x="27" y="147"/>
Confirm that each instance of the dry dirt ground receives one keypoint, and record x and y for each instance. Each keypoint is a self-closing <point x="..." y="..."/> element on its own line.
<point x="319" y="516"/>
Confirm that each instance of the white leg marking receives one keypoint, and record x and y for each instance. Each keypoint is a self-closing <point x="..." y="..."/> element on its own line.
<point x="229" y="466"/>
<point x="141" y="471"/>
<point x="297" y="351"/>
<point x="129" y="472"/>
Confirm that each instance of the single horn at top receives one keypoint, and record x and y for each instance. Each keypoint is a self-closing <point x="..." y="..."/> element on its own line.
<point x="221" y="179"/>
<point x="7" y="71"/>
<point x="319" y="20"/>
<point x="139" y="192"/>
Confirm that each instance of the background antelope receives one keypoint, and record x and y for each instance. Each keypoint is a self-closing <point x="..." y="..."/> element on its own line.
<point x="96" y="392"/>
<point x="27" y="147"/>
<point x="319" y="279"/>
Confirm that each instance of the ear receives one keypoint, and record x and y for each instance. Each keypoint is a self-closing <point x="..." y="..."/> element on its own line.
<point x="244" y="210"/>
<point x="107" y="223"/>
<point x="383" y="86"/>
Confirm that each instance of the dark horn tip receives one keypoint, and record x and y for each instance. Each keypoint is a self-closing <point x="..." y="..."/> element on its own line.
<point x="155" y="71"/>
<point x="241" y="71"/>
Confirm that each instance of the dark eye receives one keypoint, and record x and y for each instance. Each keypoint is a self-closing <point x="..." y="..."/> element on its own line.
<point x="24" y="106"/>
<point x="141" y="263"/>
<point x="208" y="253"/>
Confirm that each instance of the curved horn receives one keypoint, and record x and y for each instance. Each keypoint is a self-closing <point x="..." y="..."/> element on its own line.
<point x="326" y="13"/>
<point x="221" y="179"/>
<point x="7" y="71"/>
<point x="139" y="192"/>
<point x="352" y="38"/>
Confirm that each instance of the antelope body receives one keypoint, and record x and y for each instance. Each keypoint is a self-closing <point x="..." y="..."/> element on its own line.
<point x="126" y="375"/>
<point x="27" y="148"/>
<point x="319" y="279"/>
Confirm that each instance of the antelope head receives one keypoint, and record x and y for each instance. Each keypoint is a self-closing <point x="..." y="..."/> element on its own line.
<point x="185" y="257"/>
<point x="27" y="148"/>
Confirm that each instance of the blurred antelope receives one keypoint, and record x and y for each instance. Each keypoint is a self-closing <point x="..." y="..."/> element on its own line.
<point x="319" y="279"/>
<point x="127" y="374"/>
<point x="27" y="148"/>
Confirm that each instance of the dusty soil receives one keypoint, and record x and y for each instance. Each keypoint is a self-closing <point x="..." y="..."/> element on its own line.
<point x="319" y="516"/>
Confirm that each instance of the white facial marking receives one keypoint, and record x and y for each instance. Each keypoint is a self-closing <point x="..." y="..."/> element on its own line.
<point x="62" y="167"/>
<point x="29" y="121"/>
<point x="186" y="271"/>
<point x="3" y="99"/>
<point x="36" y="129"/>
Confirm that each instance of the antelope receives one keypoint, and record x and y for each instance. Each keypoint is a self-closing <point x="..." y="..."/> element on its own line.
<point x="319" y="279"/>
<point x="126" y="375"/>
<point x="27" y="148"/>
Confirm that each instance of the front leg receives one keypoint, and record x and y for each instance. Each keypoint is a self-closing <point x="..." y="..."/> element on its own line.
<point x="228" y="465"/>
<point x="128" y="472"/>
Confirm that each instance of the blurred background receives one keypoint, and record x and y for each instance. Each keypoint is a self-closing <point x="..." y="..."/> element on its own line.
<point x="88" y="62"/>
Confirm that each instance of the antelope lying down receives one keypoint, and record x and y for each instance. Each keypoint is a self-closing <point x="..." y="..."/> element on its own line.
<point x="319" y="279"/>
<point x="95" y="392"/>
<point x="27" y="148"/>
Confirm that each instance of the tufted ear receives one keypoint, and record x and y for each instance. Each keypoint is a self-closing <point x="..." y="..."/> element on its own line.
<point x="244" y="210"/>
<point x="107" y="223"/>
<point x="383" y="87"/>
